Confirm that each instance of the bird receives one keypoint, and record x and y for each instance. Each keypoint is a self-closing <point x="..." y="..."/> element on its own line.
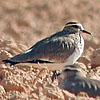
<point x="74" y="81"/>
<point x="60" y="49"/>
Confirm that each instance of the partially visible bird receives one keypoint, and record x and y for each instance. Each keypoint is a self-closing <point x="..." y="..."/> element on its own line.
<point x="60" y="49"/>
<point x="74" y="81"/>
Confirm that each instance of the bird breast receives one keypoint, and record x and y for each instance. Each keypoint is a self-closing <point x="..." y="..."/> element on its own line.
<point x="78" y="51"/>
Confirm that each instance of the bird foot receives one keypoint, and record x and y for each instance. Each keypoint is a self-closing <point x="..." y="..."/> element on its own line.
<point x="54" y="76"/>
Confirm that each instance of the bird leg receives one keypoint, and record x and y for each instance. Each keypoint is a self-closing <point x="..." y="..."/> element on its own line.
<point x="55" y="75"/>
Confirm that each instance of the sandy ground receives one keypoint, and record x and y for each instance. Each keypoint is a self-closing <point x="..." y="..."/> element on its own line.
<point x="23" y="23"/>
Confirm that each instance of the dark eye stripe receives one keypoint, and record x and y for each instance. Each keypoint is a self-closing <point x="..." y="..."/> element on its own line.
<point x="75" y="26"/>
<point x="66" y="70"/>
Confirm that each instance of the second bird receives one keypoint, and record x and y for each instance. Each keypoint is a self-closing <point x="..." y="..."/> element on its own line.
<point x="62" y="48"/>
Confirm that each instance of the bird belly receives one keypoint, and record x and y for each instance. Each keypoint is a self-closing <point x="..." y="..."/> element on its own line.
<point x="73" y="58"/>
<point x="75" y="55"/>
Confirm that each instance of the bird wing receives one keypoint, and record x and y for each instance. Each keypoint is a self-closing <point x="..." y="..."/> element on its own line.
<point x="51" y="49"/>
<point x="55" y="50"/>
<point x="81" y="84"/>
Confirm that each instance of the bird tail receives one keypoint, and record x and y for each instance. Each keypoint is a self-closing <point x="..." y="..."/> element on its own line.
<point x="5" y="61"/>
<point x="23" y="58"/>
<point x="20" y="58"/>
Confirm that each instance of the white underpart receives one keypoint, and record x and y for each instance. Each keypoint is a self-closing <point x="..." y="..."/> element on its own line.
<point x="77" y="53"/>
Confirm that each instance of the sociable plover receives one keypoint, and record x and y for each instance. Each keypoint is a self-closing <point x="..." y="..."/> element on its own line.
<point x="74" y="81"/>
<point x="60" y="49"/>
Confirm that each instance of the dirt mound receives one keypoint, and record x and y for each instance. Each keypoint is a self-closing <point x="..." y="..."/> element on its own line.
<point x="23" y="23"/>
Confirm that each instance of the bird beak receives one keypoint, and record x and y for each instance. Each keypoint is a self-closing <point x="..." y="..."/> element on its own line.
<point x="84" y="31"/>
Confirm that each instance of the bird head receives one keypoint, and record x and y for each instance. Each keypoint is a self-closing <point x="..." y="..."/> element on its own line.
<point x="76" y="26"/>
<point x="72" y="70"/>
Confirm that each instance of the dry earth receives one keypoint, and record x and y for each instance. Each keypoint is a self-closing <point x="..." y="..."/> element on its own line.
<point x="23" y="23"/>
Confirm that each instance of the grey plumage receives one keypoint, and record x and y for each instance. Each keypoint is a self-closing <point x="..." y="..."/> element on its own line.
<point x="54" y="49"/>
<point x="74" y="81"/>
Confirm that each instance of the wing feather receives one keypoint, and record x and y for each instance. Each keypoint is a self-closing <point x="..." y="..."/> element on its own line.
<point x="53" y="49"/>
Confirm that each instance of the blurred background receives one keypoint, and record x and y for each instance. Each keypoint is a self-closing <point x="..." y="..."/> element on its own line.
<point x="27" y="21"/>
<point x="24" y="22"/>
